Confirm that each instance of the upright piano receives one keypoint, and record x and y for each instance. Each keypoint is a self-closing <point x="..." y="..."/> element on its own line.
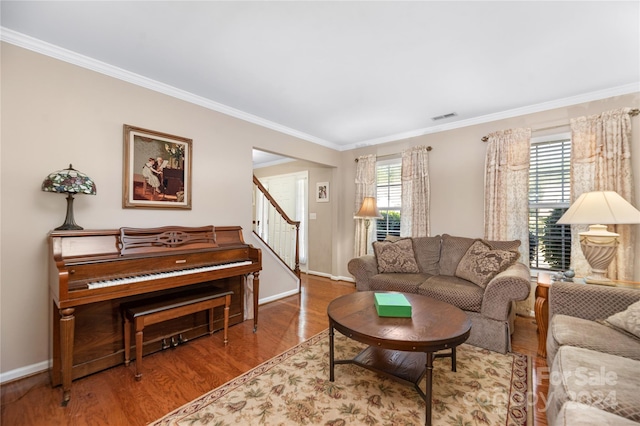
<point x="92" y="272"/>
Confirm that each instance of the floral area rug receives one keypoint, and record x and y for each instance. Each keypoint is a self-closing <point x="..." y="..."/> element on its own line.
<point x="293" y="388"/>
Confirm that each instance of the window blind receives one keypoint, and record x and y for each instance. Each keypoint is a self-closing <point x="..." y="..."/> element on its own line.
<point x="549" y="197"/>
<point x="388" y="197"/>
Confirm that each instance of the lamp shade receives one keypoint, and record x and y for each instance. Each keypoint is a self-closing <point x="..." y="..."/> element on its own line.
<point x="600" y="207"/>
<point x="368" y="210"/>
<point x="69" y="181"/>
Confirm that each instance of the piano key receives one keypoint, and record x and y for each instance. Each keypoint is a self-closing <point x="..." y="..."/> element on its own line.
<point x="160" y="275"/>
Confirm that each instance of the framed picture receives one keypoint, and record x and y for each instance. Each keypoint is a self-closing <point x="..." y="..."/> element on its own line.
<point x="157" y="170"/>
<point x="322" y="192"/>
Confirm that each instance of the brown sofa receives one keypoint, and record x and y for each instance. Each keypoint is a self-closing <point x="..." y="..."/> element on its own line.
<point x="440" y="273"/>
<point x="593" y="355"/>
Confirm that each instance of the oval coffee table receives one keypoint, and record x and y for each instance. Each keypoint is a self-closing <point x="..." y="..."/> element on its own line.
<point x="400" y="348"/>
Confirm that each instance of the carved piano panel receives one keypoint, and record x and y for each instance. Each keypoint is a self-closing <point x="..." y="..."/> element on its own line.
<point x="94" y="272"/>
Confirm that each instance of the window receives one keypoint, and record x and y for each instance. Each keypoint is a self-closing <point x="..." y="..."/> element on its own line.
<point x="549" y="192"/>
<point x="389" y="197"/>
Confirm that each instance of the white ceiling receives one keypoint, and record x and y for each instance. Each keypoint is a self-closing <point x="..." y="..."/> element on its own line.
<point x="346" y="74"/>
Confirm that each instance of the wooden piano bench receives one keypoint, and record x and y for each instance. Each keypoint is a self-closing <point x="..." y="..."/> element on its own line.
<point x="152" y="311"/>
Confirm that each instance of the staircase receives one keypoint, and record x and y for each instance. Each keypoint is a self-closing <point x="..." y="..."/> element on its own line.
<point x="272" y="225"/>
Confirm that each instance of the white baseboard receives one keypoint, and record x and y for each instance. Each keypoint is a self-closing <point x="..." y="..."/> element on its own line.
<point x="39" y="367"/>
<point x="331" y="277"/>
<point x="278" y="296"/>
<point x="26" y="371"/>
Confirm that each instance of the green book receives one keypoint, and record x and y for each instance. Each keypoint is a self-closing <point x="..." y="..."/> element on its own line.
<point x="392" y="305"/>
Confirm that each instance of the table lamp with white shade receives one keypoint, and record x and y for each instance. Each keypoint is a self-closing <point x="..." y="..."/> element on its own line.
<point x="598" y="209"/>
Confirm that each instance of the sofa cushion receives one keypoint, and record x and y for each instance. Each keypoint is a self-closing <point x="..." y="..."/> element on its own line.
<point x="407" y="283"/>
<point x="395" y="256"/>
<point x="452" y="251"/>
<point x="427" y="252"/>
<point x="627" y="320"/>
<point x="575" y="413"/>
<point x="565" y="330"/>
<point x="607" y="382"/>
<point x="481" y="263"/>
<point x="456" y="291"/>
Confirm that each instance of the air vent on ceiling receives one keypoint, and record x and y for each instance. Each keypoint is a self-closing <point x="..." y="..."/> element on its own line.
<point x="442" y="117"/>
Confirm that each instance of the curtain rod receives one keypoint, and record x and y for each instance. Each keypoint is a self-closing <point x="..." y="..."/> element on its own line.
<point x="632" y="113"/>
<point x="429" y="148"/>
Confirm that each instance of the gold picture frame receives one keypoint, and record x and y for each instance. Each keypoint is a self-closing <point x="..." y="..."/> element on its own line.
<point x="157" y="170"/>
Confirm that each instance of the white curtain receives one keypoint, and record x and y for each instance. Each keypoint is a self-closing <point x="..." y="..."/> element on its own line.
<point x="506" y="210"/>
<point x="365" y="187"/>
<point x="414" y="214"/>
<point x="601" y="161"/>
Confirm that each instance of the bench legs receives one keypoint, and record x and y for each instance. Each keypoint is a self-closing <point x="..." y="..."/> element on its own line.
<point x="139" y="349"/>
<point x="140" y="321"/>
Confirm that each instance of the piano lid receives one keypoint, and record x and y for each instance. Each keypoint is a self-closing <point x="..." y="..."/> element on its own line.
<point x="191" y="254"/>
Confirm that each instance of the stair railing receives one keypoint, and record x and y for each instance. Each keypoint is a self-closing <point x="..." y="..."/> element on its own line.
<point x="274" y="227"/>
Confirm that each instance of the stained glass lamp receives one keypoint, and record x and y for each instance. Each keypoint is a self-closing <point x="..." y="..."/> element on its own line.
<point x="69" y="181"/>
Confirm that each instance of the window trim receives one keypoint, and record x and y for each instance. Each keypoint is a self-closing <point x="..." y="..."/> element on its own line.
<point x="540" y="140"/>
<point x="395" y="161"/>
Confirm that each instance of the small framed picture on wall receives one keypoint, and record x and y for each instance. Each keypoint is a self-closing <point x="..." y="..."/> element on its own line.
<point x="322" y="192"/>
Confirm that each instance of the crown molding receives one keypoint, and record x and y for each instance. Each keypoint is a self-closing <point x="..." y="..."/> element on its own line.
<point x="272" y="163"/>
<point x="51" y="50"/>
<point x="544" y="106"/>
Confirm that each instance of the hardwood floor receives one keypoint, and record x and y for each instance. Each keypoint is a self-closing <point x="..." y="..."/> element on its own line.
<point x="176" y="376"/>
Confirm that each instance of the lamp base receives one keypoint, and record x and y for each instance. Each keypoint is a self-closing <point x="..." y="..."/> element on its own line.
<point x="69" y="227"/>
<point x="598" y="280"/>
<point x="366" y="236"/>
<point x="69" y="222"/>
<point x="599" y="247"/>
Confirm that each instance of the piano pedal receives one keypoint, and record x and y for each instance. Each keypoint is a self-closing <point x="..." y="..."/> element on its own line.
<point x="165" y="345"/>
<point x="174" y="342"/>
<point x="181" y="339"/>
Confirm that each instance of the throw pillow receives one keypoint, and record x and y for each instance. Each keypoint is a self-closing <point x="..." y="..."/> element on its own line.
<point x="628" y="320"/>
<point x="511" y="245"/>
<point x="481" y="263"/>
<point x="395" y="256"/>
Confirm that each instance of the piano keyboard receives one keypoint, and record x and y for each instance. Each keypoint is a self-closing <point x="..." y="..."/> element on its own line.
<point x="160" y="275"/>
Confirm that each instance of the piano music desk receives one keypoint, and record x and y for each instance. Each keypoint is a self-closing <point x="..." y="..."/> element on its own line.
<point x="147" y="312"/>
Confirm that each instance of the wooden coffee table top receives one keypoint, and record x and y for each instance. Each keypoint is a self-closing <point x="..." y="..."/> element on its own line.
<point x="433" y="326"/>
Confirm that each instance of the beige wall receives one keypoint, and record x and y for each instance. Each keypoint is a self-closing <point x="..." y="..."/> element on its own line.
<point x="456" y="168"/>
<point x="54" y="113"/>
<point x="320" y="235"/>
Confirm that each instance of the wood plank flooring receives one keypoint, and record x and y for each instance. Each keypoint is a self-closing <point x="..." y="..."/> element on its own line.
<point x="176" y="376"/>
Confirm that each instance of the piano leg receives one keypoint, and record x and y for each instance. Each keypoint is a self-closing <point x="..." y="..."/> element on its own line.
<point x="227" y="303"/>
<point x="256" y="293"/>
<point x="139" y="336"/>
<point x="67" y="326"/>
<point x="127" y="339"/>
